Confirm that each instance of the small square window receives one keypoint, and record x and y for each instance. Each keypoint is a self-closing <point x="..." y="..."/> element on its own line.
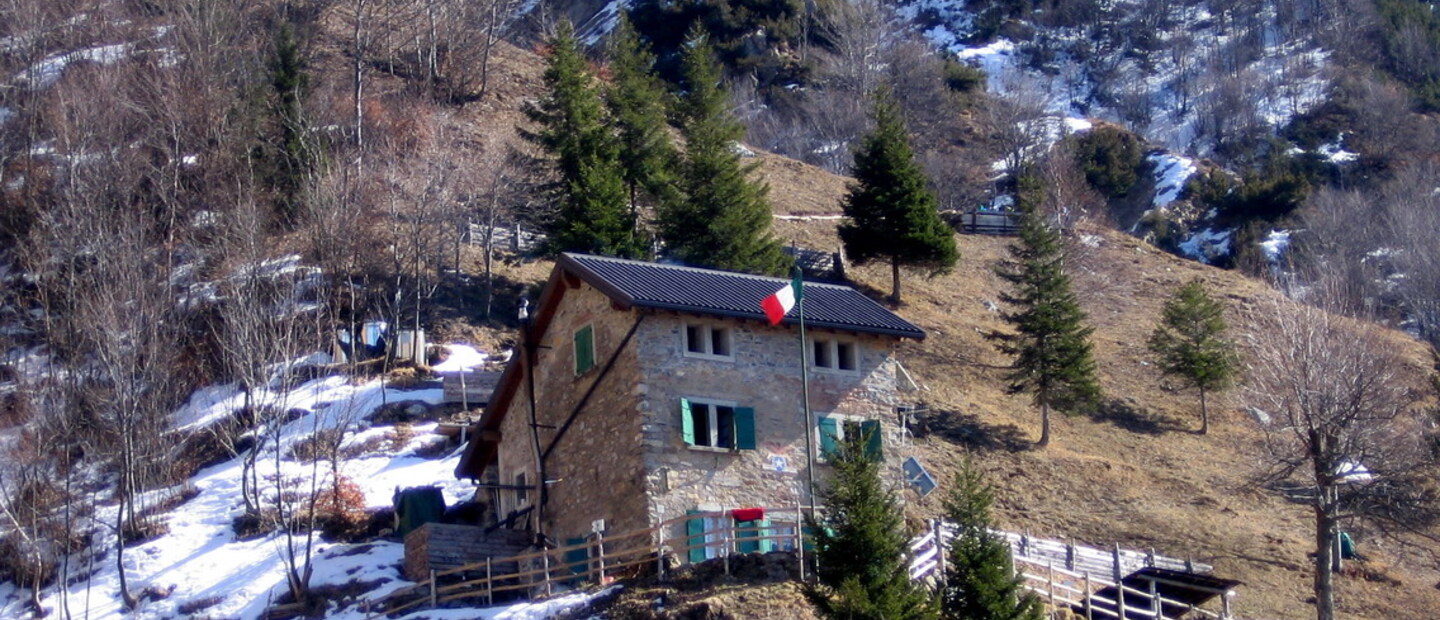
<point x="845" y="355"/>
<point x="834" y="354"/>
<point x="708" y="341"/>
<point x="695" y="338"/>
<point x="822" y="353"/>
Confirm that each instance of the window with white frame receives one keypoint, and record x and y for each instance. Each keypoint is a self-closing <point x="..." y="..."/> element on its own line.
<point x="719" y="425"/>
<point x="708" y="341"/>
<point x="834" y="354"/>
<point x="834" y="430"/>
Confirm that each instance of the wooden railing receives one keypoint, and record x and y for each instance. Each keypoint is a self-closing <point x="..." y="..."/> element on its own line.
<point x="600" y="559"/>
<point x="1070" y="576"/>
<point x="1064" y="575"/>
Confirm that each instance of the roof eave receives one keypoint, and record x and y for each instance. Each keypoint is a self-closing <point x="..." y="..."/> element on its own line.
<point x="916" y="334"/>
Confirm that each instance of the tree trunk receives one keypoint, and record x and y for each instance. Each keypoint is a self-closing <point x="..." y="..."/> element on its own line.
<point x="1044" y="425"/>
<point x="895" y="281"/>
<point x="1324" y="548"/>
<point x="1204" y="414"/>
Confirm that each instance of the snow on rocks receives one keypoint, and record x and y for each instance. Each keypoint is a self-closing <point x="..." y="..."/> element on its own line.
<point x="1275" y="244"/>
<point x="1207" y="245"/>
<point x="1171" y="173"/>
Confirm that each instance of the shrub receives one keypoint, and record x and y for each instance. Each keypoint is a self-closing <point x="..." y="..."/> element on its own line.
<point x="1111" y="158"/>
<point x="963" y="78"/>
<point x="340" y="510"/>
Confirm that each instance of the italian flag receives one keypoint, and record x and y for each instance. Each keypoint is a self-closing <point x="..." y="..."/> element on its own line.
<point x="780" y="303"/>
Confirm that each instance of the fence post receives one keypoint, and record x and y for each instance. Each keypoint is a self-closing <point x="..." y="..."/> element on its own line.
<point x="800" y="539"/>
<point x="725" y="548"/>
<point x="545" y="563"/>
<point x="600" y="546"/>
<point x="1225" y="606"/>
<point x="938" y="527"/>
<point x="1050" y="581"/>
<point x="1070" y="555"/>
<point x="433" y="596"/>
<point x="1119" y="581"/>
<point x="489" y="584"/>
<point x="1155" y="607"/>
<point x="1089" y="615"/>
<point x="660" y="553"/>
<point x="1150" y="557"/>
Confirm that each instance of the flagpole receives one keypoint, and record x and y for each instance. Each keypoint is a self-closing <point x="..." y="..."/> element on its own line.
<point x="810" y="429"/>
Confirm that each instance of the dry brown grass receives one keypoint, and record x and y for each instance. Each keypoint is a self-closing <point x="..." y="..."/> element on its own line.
<point x="1136" y="475"/>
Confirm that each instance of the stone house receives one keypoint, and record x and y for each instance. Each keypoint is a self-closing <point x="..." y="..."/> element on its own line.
<point x="642" y="392"/>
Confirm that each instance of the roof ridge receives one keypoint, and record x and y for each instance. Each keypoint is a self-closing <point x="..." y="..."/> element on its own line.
<point x="689" y="268"/>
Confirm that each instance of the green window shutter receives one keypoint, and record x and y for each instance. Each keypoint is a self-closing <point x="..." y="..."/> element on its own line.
<point x="746" y="541"/>
<point x="871" y="431"/>
<point x="576" y="560"/>
<point x="695" y="528"/>
<point x="767" y="545"/>
<point x="745" y="428"/>
<point x="687" y="423"/>
<point x="829" y="436"/>
<point x="584" y="349"/>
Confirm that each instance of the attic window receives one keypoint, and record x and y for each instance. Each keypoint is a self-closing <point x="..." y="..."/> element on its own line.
<point x="834" y="354"/>
<point x="707" y="341"/>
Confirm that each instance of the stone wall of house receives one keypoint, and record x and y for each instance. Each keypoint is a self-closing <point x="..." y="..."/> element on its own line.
<point x="596" y="468"/>
<point x="764" y="373"/>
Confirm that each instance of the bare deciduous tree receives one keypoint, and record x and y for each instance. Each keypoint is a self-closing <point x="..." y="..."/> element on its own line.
<point x="1343" y="422"/>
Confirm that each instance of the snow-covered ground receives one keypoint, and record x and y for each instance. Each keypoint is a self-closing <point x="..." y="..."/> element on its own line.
<point x="200" y="563"/>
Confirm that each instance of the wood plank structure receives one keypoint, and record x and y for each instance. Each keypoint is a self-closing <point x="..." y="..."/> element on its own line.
<point x="1094" y="583"/>
<point x="989" y="222"/>
<point x="471" y="388"/>
<point x="1112" y="585"/>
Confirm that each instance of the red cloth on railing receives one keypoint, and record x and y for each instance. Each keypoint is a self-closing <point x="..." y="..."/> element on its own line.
<point x="747" y="514"/>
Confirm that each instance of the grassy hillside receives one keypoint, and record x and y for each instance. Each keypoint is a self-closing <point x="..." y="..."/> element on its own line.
<point x="1135" y="474"/>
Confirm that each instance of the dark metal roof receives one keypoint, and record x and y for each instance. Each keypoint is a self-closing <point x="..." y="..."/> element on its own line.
<point x="722" y="293"/>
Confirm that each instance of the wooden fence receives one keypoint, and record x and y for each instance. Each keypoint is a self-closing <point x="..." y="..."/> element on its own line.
<point x="599" y="559"/>
<point x="1094" y="583"/>
<point x="1088" y="580"/>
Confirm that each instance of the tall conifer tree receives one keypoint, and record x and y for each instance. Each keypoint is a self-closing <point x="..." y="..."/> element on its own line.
<point x="721" y="219"/>
<point x="592" y="212"/>
<point x="861" y="546"/>
<point x="1190" y="343"/>
<point x="637" y="101"/>
<point x="1051" y="345"/>
<point x="979" y="584"/>
<point x="891" y="214"/>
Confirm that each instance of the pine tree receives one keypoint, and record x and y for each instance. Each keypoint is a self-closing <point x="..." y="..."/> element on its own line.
<point x="637" y="100"/>
<point x="1051" y="344"/>
<point x="592" y="213"/>
<point x="861" y="546"/>
<point x="1190" y="343"/>
<point x="891" y="213"/>
<point x="979" y="582"/>
<point x="721" y="218"/>
<point x="293" y="158"/>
